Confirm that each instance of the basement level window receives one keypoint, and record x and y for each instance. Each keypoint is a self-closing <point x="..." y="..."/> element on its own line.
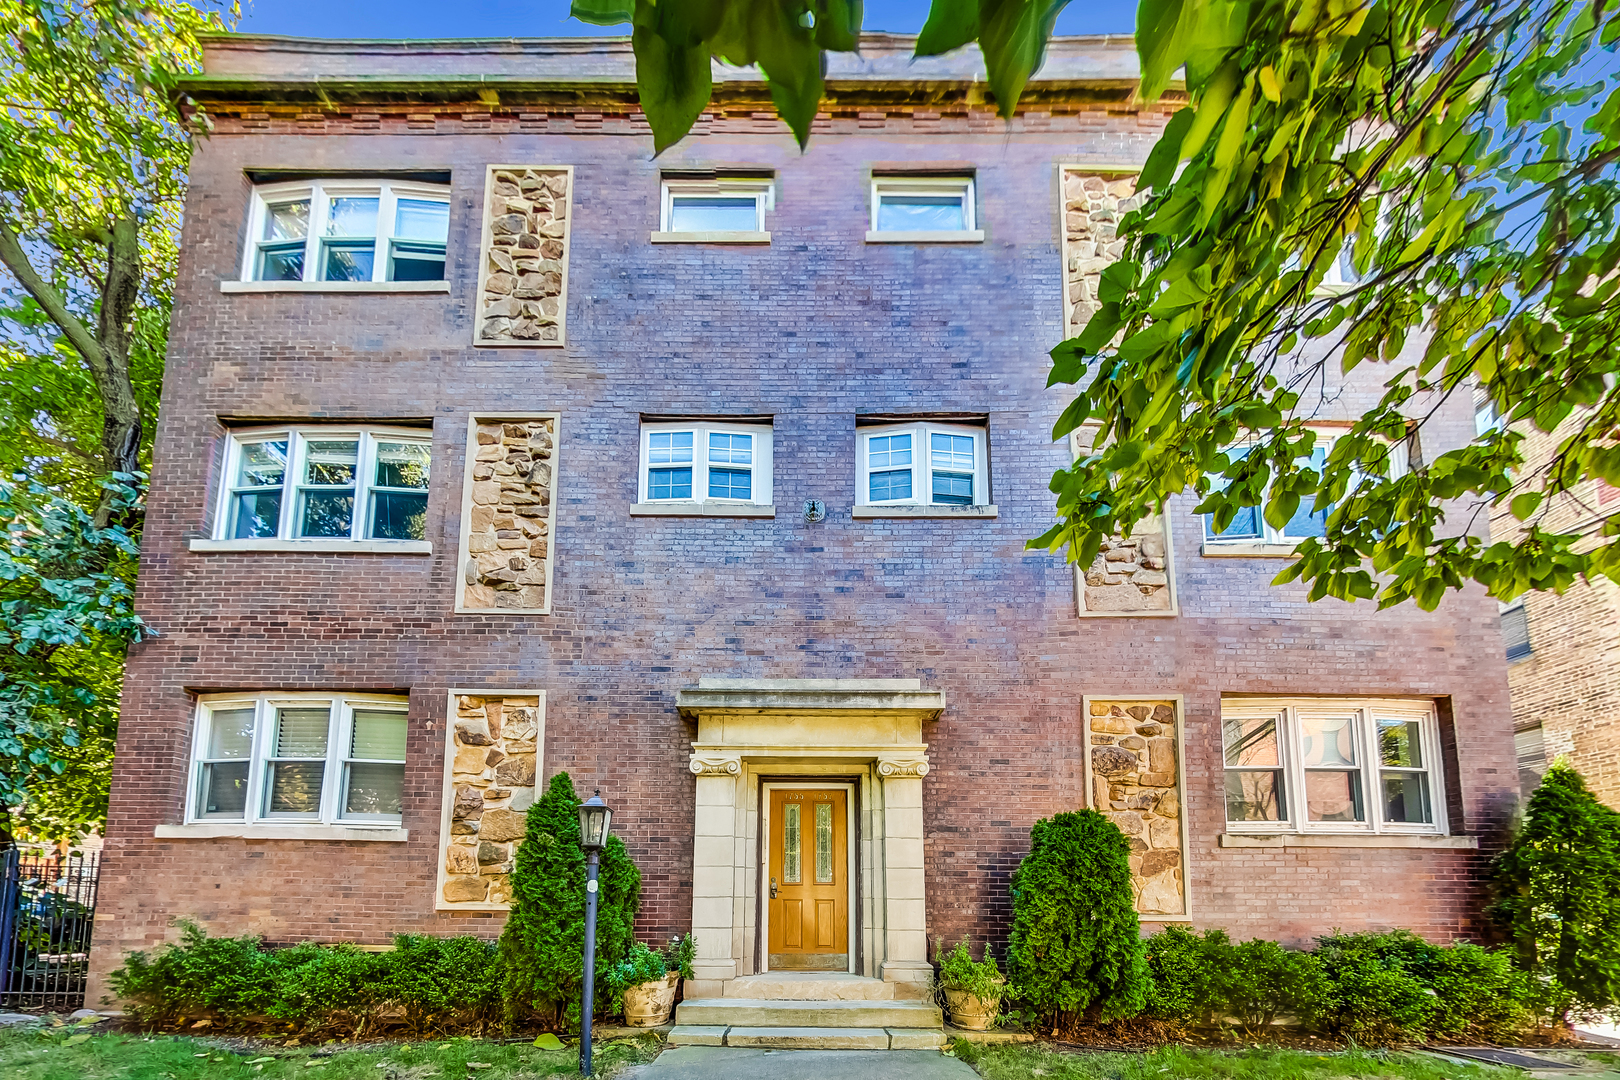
<point x="273" y="758"/>
<point x="1324" y="765"/>
<point x="347" y="231"/>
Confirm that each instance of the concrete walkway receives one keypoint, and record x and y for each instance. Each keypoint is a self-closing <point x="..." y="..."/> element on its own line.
<point x="736" y="1063"/>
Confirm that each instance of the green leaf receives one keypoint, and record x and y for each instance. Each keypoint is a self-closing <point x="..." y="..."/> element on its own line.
<point x="950" y="25"/>
<point x="673" y="83"/>
<point x="1166" y="153"/>
<point x="548" y="1041"/>
<point x="1524" y="505"/>
<point x="602" y="12"/>
<point x="1161" y="44"/>
<point x="1012" y="38"/>
<point x="838" y="25"/>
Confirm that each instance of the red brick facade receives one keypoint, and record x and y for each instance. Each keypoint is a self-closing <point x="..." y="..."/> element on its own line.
<point x="813" y="329"/>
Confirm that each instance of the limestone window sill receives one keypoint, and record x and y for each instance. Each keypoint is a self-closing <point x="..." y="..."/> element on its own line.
<point x="704" y="509"/>
<point x="292" y="831"/>
<point x="1331" y="840"/>
<point x="866" y="512"/>
<point x="1249" y="551"/>
<point x="334" y="286"/>
<point x="953" y="236"/>
<point x="711" y="237"/>
<point x="318" y="547"/>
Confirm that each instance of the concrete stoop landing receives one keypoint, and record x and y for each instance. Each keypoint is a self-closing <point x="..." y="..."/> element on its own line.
<point x="809" y="1011"/>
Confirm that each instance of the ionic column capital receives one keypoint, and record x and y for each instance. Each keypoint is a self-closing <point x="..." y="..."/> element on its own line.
<point x="908" y="765"/>
<point x="708" y="763"/>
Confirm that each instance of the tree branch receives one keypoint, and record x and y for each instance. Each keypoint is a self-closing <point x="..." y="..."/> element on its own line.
<point x="16" y="260"/>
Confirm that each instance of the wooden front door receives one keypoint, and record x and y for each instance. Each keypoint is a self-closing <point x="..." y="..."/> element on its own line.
<point x="809" y="880"/>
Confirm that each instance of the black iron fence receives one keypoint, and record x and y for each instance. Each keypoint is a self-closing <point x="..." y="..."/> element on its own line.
<point x="47" y="909"/>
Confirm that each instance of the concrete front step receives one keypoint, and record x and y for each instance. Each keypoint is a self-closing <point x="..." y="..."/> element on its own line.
<point x="809" y="1038"/>
<point x="765" y="1013"/>
<point x="809" y="986"/>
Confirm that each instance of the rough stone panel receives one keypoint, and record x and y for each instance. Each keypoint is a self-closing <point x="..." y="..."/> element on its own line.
<point x="524" y="257"/>
<point x="1135" y="783"/>
<point x="493" y="788"/>
<point x="506" y="547"/>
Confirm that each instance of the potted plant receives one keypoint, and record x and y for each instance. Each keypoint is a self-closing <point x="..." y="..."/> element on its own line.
<point x="647" y="979"/>
<point x="973" y="989"/>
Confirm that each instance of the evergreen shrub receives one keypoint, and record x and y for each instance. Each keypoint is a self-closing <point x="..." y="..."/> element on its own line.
<point x="1259" y="981"/>
<point x="1558" y="898"/>
<point x="429" y="985"/>
<point x="543" y="944"/>
<point x="1075" y="945"/>
<point x="1185" y="969"/>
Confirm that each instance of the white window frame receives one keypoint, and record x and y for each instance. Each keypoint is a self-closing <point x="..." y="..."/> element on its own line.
<point x="964" y="186"/>
<point x="1364" y="714"/>
<point x="922" y="450"/>
<point x="1271" y="538"/>
<point x="340" y="730"/>
<point x="298" y="438"/>
<point x="760" y="486"/>
<point x="320" y="194"/>
<point x="761" y="189"/>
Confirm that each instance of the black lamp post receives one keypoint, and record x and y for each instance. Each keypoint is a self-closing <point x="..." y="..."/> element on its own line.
<point x="594" y="818"/>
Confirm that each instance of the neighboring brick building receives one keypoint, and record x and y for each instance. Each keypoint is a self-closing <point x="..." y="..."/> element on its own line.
<point x="1563" y="653"/>
<point x="486" y="448"/>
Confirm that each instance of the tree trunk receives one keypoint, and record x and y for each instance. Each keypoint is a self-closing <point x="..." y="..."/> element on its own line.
<point x="106" y="352"/>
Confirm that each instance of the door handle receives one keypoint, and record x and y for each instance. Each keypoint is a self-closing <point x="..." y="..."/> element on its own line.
<point x="773" y="888"/>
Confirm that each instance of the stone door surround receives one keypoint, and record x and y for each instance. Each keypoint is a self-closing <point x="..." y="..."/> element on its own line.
<point x="750" y="730"/>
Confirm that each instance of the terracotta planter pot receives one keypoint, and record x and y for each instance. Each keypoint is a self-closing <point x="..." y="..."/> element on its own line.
<point x="648" y="1004"/>
<point x="970" y="1011"/>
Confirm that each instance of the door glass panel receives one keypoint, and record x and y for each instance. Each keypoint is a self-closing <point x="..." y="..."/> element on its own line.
<point x="790" y="844"/>
<point x="824" y="844"/>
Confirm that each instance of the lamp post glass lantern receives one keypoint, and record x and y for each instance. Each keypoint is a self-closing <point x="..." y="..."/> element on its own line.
<point x="595" y="817"/>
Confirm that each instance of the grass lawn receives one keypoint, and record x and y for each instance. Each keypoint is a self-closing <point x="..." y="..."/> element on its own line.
<point x="68" y="1053"/>
<point x="1180" y="1063"/>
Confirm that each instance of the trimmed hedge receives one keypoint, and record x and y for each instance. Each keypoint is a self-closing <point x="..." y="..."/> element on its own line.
<point x="1371" y="988"/>
<point x="426" y="985"/>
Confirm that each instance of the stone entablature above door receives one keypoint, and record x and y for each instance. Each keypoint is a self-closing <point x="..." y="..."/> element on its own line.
<point x="866" y="731"/>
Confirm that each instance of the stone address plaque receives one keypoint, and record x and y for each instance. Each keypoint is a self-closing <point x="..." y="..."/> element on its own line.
<point x="493" y="745"/>
<point x="508" y="511"/>
<point x="523" y="266"/>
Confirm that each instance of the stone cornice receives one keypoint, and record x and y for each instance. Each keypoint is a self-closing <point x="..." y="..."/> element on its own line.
<point x="823" y="696"/>
<point x="599" y="73"/>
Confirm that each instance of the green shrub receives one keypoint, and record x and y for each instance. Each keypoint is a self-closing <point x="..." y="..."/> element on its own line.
<point x="543" y="944"/>
<point x="1374" y="995"/>
<point x="1259" y="981"/>
<point x="1076" y="943"/>
<point x="640" y="965"/>
<point x="1478" y="993"/>
<point x="679" y="954"/>
<point x="1184" y="967"/>
<point x="1559" y="897"/>
<point x="959" y="971"/>
<point x="430" y="984"/>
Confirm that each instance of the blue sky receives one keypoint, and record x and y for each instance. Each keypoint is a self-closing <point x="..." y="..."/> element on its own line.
<point x="549" y="18"/>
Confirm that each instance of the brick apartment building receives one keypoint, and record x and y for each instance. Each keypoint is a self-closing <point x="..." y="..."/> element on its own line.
<point x="1562" y="650"/>
<point x="493" y="446"/>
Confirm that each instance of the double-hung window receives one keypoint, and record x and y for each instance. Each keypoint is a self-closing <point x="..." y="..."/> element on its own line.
<point x="909" y="208"/>
<point x="723" y="208"/>
<point x="922" y="465"/>
<point x="348" y="231"/>
<point x="1249" y="525"/>
<point x="328" y="484"/>
<point x="272" y="759"/>
<point x="706" y="462"/>
<point x="1334" y="766"/>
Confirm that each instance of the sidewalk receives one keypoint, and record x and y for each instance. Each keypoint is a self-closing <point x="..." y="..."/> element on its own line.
<point x="728" y="1063"/>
